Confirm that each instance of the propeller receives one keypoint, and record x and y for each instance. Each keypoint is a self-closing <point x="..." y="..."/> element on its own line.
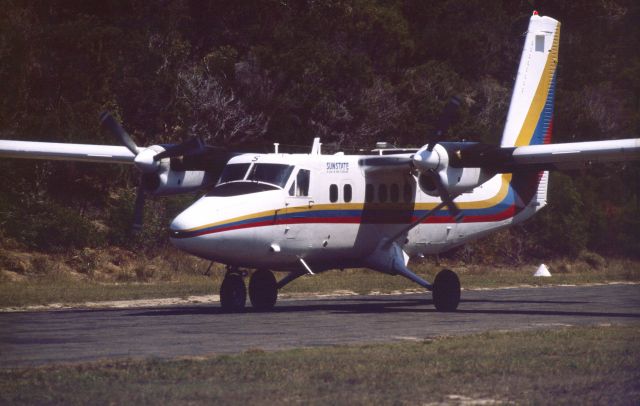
<point x="449" y="113"/>
<point x="107" y="120"/>
<point x="433" y="162"/>
<point x="192" y="146"/>
<point x="141" y="161"/>
<point x="197" y="157"/>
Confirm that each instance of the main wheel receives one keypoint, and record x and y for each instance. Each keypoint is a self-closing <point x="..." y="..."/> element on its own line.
<point x="446" y="291"/>
<point x="233" y="293"/>
<point x="263" y="290"/>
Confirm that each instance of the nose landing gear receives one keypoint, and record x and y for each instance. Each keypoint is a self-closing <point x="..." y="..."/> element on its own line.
<point x="233" y="294"/>
<point x="263" y="290"/>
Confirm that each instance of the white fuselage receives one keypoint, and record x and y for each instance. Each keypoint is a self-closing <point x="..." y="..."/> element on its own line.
<point x="335" y="217"/>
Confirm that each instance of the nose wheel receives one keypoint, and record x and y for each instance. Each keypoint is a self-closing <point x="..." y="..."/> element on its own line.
<point x="263" y="290"/>
<point x="233" y="293"/>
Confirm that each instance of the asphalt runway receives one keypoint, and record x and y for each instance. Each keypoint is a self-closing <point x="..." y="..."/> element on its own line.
<point x="38" y="338"/>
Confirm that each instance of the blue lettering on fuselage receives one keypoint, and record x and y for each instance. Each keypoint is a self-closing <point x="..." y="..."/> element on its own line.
<point x="337" y="167"/>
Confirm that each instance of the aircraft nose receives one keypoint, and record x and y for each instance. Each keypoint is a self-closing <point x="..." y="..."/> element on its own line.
<point x="183" y="226"/>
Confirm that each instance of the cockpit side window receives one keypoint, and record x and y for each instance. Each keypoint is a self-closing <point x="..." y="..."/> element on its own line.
<point x="233" y="172"/>
<point x="302" y="182"/>
<point x="275" y="174"/>
<point x="300" y="185"/>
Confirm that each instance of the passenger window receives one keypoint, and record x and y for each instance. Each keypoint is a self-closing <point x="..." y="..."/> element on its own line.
<point x="368" y="193"/>
<point x="395" y="192"/>
<point x="407" y="193"/>
<point x="333" y="193"/>
<point x="382" y="193"/>
<point x="346" y="193"/>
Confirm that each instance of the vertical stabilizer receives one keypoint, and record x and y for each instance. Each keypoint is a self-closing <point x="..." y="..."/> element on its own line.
<point x="530" y="117"/>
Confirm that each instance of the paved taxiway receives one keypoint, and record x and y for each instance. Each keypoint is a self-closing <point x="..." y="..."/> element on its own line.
<point x="37" y="338"/>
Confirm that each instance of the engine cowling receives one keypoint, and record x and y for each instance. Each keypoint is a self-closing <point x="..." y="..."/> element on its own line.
<point x="169" y="182"/>
<point x="456" y="180"/>
<point x="160" y="178"/>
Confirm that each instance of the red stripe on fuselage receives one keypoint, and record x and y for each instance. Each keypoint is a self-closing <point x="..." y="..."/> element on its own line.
<point x="505" y="214"/>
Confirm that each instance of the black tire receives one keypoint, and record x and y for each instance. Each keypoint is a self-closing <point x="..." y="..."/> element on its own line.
<point x="263" y="290"/>
<point x="446" y="291"/>
<point x="233" y="293"/>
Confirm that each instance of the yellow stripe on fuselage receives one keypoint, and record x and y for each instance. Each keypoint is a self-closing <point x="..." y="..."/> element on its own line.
<point x="479" y="204"/>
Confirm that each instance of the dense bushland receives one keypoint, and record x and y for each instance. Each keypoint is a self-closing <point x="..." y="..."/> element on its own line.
<point x="353" y="72"/>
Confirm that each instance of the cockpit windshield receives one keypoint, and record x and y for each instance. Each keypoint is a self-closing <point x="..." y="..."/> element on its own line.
<point x="261" y="177"/>
<point x="233" y="172"/>
<point x="275" y="174"/>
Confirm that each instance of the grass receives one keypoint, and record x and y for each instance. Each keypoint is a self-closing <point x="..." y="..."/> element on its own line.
<point x="578" y="365"/>
<point x="62" y="288"/>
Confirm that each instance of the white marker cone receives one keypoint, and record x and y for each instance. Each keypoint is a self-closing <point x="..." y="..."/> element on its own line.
<point x="542" y="271"/>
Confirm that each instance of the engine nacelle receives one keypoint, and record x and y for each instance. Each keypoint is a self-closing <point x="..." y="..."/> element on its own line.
<point x="169" y="182"/>
<point x="456" y="180"/>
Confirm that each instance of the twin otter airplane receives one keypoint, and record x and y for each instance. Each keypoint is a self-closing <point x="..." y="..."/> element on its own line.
<point x="309" y="213"/>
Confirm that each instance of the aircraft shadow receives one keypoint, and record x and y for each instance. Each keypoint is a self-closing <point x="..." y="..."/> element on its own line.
<point x="382" y="305"/>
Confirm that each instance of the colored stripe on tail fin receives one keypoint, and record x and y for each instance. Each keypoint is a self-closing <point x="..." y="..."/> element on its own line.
<point x="530" y="116"/>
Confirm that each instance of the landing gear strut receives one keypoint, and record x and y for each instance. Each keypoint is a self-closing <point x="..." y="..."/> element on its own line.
<point x="446" y="291"/>
<point x="263" y="290"/>
<point x="233" y="293"/>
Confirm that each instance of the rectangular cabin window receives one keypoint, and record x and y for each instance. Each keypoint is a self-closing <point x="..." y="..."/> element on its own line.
<point x="368" y="193"/>
<point x="395" y="192"/>
<point x="333" y="193"/>
<point x="539" y="43"/>
<point x="382" y="193"/>
<point x="346" y="193"/>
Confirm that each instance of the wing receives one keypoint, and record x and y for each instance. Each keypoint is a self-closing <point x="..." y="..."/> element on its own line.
<point x="577" y="152"/>
<point x="66" y="152"/>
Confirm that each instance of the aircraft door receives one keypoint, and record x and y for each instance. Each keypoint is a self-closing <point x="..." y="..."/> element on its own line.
<point x="298" y="205"/>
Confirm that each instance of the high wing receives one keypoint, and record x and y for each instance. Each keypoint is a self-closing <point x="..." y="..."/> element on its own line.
<point x="540" y="157"/>
<point x="198" y="166"/>
<point x="66" y="152"/>
<point x="578" y="152"/>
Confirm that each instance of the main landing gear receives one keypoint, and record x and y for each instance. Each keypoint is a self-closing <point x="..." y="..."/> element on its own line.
<point x="446" y="291"/>
<point x="445" y="288"/>
<point x="263" y="290"/>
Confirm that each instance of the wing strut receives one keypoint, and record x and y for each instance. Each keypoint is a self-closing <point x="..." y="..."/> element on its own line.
<point x="419" y="220"/>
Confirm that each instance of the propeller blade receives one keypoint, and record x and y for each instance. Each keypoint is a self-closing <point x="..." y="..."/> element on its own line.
<point x="446" y="197"/>
<point x="107" y="120"/>
<point x="192" y="146"/>
<point x="444" y="122"/>
<point x="138" y="209"/>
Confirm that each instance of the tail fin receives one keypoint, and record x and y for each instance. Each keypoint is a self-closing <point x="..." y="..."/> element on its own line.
<point x="530" y="117"/>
